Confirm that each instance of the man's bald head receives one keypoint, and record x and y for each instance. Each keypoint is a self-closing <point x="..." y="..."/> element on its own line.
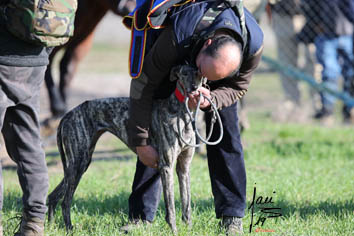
<point x="220" y="57"/>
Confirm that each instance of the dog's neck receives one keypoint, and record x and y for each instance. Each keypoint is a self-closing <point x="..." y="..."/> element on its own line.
<point x="176" y="101"/>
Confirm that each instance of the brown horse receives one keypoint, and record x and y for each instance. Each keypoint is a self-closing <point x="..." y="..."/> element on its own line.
<point x="88" y="15"/>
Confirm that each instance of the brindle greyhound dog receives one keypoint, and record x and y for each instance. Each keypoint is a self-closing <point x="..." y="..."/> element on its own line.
<point x="80" y="129"/>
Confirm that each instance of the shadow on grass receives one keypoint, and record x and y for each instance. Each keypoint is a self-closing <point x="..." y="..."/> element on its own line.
<point x="114" y="205"/>
<point x="111" y="204"/>
<point x="327" y="208"/>
<point x="306" y="210"/>
<point x="117" y="207"/>
<point x="93" y="205"/>
<point x="303" y="210"/>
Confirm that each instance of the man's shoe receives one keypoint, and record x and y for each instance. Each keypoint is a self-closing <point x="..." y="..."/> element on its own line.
<point x="323" y="113"/>
<point x="325" y="116"/>
<point x="232" y="225"/>
<point x="348" y="116"/>
<point x="133" y="224"/>
<point x="30" y="226"/>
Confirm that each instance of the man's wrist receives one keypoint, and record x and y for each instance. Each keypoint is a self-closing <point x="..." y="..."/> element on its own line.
<point x="208" y="108"/>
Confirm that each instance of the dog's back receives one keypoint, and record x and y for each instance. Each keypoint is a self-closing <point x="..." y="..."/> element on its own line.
<point x="83" y="125"/>
<point x="80" y="129"/>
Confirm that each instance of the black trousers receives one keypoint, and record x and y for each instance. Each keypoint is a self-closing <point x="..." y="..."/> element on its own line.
<point x="19" y="123"/>
<point x="226" y="170"/>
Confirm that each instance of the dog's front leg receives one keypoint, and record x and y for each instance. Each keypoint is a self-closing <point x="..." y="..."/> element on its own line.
<point x="183" y="163"/>
<point x="166" y="172"/>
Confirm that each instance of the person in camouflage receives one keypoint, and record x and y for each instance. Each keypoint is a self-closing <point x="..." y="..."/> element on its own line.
<point x="24" y="55"/>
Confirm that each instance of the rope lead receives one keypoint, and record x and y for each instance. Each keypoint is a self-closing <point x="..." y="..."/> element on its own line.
<point x="215" y="117"/>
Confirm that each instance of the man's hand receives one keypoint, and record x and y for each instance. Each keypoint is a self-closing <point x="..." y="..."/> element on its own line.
<point x="148" y="155"/>
<point x="194" y="98"/>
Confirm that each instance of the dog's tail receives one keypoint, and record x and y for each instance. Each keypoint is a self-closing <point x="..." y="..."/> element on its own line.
<point x="60" y="143"/>
<point x="58" y="193"/>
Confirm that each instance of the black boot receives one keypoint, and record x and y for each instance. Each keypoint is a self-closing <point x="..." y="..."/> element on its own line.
<point x="323" y="113"/>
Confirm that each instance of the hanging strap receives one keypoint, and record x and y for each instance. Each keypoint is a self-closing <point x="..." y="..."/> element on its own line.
<point x="137" y="51"/>
<point x="148" y="14"/>
<point x="200" y="33"/>
<point x="237" y="7"/>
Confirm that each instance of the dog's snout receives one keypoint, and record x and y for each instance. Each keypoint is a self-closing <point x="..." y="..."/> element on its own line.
<point x="192" y="88"/>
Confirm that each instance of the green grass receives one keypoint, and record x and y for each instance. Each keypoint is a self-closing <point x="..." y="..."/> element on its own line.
<point x="309" y="167"/>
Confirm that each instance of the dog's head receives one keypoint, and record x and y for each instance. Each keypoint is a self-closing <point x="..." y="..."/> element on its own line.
<point x="187" y="76"/>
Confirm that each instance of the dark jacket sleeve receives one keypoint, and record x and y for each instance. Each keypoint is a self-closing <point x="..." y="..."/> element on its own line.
<point x="230" y="90"/>
<point x="157" y="65"/>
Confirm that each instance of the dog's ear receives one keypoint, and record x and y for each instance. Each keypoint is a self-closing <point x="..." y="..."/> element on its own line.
<point x="174" y="74"/>
<point x="182" y="71"/>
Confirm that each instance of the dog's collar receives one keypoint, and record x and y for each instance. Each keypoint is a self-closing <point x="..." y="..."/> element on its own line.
<point x="181" y="96"/>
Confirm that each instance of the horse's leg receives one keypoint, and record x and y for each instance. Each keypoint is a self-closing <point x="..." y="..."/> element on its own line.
<point x="120" y="7"/>
<point x="88" y="16"/>
<point x="56" y="104"/>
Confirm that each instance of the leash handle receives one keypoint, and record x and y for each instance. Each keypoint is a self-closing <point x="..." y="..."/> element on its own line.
<point x="216" y="116"/>
<point x="193" y="119"/>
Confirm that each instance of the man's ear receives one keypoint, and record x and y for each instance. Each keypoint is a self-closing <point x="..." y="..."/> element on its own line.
<point x="208" y="42"/>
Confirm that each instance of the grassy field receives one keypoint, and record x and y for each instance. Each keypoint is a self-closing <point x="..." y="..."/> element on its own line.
<point x="309" y="167"/>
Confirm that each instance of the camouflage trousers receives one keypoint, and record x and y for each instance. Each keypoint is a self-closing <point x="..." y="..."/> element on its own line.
<point x="19" y="121"/>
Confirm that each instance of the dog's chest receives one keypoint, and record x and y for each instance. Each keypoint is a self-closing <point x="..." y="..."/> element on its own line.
<point x="167" y="126"/>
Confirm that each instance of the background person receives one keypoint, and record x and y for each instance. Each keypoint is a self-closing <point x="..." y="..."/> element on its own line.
<point x="282" y="15"/>
<point x="334" y="51"/>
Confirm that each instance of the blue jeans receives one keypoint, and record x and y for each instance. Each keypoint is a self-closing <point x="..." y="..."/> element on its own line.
<point x="335" y="54"/>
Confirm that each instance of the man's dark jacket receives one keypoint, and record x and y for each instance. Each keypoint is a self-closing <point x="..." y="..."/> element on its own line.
<point x="174" y="46"/>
